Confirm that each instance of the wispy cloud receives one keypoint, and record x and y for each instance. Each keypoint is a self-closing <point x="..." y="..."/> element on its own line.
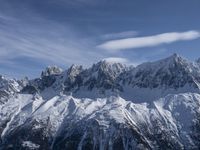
<point x="116" y="60"/>
<point x="51" y="43"/>
<point x="122" y="60"/>
<point x="149" y="41"/>
<point x="124" y="34"/>
<point x="42" y="44"/>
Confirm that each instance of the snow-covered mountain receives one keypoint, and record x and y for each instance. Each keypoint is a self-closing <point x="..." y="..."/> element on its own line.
<point x="155" y="105"/>
<point x="8" y="87"/>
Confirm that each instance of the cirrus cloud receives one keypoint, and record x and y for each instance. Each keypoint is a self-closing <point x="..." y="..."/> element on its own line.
<point x="116" y="60"/>
<point x="124" y="34"/>
<point x="149" y="41"/>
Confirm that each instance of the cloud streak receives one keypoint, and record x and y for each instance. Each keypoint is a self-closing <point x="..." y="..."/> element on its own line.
<point x="116" y="60"/>
<point x="26" y="48"/>
<point x="149" y="41"/>
<point x="119" y="35"/>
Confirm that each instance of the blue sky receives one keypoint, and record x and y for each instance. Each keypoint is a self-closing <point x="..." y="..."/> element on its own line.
<point x="38" y="33"/>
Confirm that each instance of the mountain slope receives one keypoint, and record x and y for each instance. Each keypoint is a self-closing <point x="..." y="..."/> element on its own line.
<point x="152" y="80"/>
<point x="155" y="105"/>
<point x="64" y="122"/>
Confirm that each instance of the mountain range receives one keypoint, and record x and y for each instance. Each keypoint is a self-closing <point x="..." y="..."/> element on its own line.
<point x="108" y="106"/>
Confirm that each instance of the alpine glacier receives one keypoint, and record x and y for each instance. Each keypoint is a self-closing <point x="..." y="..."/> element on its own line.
<point x="109" y="106"/>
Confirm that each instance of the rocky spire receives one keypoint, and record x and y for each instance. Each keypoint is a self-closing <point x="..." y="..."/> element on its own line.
<point x="51" y="70"/>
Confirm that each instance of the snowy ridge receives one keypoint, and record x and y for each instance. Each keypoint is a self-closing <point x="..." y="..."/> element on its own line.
<point x="156" y="79"/>
<point x="155" y="105"/>
<point x="64" y="115"/>
<point x="9" y="87"/>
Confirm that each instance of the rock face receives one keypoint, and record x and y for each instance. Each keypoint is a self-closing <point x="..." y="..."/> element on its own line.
<point x="173" y="72"/>
<point x="54" y="70"/>
<point x="9" y="87"/>
<point x="107" y="106"/>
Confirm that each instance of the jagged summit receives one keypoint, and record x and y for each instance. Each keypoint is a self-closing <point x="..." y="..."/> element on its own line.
<point x="106" y="106"/>
<point x="112" y="69"/>
<point x="173" y="73"/>
<point x="174" y="56"/>
<point x="51" y="70"/>
<point x="8" y="87"/>
<point x="73" y="71"/>
<point x="175" y="59"/>
<point x="170" y="61"/>
<point x="157" y="79"/>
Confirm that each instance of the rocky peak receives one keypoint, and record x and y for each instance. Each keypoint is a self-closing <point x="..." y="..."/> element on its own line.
<point x="112" y="69"/>
<point x="51" y="70"/>
<point x="102" y="75"/>
<point x="170" y="62"/>
<point x="175" y="57"/>
<point x="6" y="83"/>
<point x="171" y="72"/>
<point x="175" y="60"/>
<point x="72" y="77"/>
<point x="8" y="87"/>
<point x="74" y="70"/>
